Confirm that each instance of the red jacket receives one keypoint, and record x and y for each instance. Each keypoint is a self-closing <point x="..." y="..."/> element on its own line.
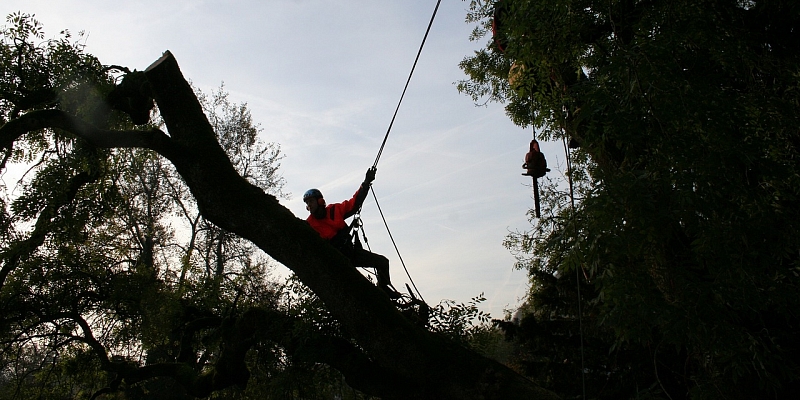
<point x="335" y="214"/>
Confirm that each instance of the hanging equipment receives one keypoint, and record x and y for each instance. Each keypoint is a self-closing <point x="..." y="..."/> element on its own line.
<point x="536" y="167"/>
<point x="535" y="163"/>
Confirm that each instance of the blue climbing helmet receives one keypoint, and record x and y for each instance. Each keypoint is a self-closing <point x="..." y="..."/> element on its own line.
<point x="312" y="193"/>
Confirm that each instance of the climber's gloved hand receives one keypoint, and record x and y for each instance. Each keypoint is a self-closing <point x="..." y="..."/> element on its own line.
<point x="370" y="176"/>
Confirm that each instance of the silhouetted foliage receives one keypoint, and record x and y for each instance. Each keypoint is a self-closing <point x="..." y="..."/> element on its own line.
<point x="131" y="262"/>
<point x="685" y="226"/>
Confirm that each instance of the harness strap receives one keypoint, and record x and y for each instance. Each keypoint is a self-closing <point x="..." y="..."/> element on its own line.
<point x="348" y="228"/>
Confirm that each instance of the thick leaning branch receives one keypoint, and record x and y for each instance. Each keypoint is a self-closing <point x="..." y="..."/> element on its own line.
<point x="229" y="201"/>
<point x="416" y="360"/>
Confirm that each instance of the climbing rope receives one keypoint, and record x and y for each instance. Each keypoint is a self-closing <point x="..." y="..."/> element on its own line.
<point x="383" y="144"/>
<point x="395" y="245"/>
<point x="577" y="270"/>
<point x="536" y="202"/>
<point x="380" y="151"/>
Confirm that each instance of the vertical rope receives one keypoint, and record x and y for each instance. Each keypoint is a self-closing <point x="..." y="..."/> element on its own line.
<point x="578" y="269"/>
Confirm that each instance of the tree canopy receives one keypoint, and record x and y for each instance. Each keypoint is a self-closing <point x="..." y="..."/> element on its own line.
<point x="102" y="296"/>
<point x="684" y="231"/>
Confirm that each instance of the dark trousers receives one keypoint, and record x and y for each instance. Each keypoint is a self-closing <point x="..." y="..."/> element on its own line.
<point x="365" y="259"/>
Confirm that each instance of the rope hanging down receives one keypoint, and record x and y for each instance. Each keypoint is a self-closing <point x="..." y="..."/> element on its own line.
<point x="378" y="157"/>
<point x="395" y="247"/>
<point x="536" y="201"/>
<point x="579" y="268"/>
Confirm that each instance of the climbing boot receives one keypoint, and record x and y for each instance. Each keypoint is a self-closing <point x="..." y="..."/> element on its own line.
<point x="390" y="291"/>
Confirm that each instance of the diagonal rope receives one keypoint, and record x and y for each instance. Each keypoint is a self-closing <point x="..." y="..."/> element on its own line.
<point x="383" y="144"/>
<point x="378" y="157"/>
<point x="395" y="246"/>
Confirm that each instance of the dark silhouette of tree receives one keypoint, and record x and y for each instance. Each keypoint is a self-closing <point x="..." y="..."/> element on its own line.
<point x="118" y="305"/>
<point x="685" y="227"/>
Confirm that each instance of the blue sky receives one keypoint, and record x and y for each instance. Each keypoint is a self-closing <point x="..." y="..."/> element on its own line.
<point x="323" y="78"/>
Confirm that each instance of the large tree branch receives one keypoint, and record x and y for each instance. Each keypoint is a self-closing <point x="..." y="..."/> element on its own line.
<point x="46" y="96"/>
<point x="423" y="362"/>
<point x="359" y="371"/>
<point x="42" y="119"/>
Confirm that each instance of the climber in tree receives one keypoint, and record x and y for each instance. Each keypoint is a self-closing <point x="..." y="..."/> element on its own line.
<point x="329" y="221"/>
